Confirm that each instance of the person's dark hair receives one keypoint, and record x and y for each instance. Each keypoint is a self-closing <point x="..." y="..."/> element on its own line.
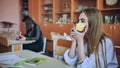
<point x="30" y="23"/>
<point x="28" y="20"/>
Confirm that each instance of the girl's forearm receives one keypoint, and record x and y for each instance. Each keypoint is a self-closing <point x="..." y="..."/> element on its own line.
<point x="81" y="54"/>
<point x="72" y="52"/>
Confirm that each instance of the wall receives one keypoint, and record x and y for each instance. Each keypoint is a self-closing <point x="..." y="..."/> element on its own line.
<point x="10" y="11"/>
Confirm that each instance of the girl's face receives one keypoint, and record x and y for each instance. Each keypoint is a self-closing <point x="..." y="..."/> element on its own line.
<point x="84" y="20"/>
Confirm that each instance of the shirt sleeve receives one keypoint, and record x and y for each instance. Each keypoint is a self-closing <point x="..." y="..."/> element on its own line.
<point x="37" y="34"/>
<point x="87" y="63"/>
<point x="73" y="61"/>
<point x="111" y="55"/>
<point x="68" y="60"/>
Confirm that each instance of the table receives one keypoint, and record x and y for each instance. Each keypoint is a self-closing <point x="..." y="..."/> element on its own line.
<point x="49" y="63"/>
<point x="12" y="43"/>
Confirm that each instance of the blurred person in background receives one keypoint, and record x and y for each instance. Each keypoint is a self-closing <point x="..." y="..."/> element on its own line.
<point x="33" y="32"/>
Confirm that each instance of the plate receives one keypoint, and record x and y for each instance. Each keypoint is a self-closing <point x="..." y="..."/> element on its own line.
<point x="111" y="2"/>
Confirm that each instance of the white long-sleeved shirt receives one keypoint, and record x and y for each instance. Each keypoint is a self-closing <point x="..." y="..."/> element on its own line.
<point x="89" y="62"/>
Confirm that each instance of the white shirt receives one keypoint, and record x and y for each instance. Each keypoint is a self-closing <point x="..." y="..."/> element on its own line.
<point x="89" y="62"/>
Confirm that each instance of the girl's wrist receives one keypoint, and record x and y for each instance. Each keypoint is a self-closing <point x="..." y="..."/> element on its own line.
<point x="81" y="61"/>
<point x="82" y="58"/>
<point x="80" y="40"/>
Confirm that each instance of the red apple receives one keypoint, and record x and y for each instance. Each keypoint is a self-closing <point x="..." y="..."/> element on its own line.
<point x="20" y="37"/>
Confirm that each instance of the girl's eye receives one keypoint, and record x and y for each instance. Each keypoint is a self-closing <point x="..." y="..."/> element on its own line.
<point x="82" y="20"/>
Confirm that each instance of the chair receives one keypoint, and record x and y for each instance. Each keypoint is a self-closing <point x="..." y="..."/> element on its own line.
<point x="44" y="46"/>
<point x="117" y="48"/>
<point x="59" y="45"/>
<point x="4" y="46"/>
<point x="4" y="41"/>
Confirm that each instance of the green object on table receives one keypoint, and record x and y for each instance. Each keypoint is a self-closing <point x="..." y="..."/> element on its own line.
<point x="19" y="63"/>
<point x="35" y="61"/>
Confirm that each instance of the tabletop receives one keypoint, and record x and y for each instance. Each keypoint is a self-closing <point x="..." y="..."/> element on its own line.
<point x="6" y="41"/>
<point x="20" y="42"/>
<point x="49" y="63"/>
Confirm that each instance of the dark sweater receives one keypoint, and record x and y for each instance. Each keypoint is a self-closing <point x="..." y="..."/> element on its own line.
<point x="34" y="34"/>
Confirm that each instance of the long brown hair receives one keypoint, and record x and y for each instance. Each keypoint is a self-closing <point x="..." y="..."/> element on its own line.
<point x="95" y="32"/>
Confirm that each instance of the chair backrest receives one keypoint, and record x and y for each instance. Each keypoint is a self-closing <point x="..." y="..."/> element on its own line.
<point x="44" y="45"/>
<point x="117" y="49"/>
<point x="4" y="41"/>
<point x="60" y="46"/>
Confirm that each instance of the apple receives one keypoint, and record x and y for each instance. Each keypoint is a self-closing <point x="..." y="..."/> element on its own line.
<point x="20" y="37"/>
<point x="80" y="27"/>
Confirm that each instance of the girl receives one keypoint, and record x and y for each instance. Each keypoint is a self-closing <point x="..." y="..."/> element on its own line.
<point x="91" y="48"/>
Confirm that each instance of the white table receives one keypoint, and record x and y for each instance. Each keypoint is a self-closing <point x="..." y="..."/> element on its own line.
<point x="6" y="41"/>
<point x="49" y="63"/>
<point x="12" y="43"/>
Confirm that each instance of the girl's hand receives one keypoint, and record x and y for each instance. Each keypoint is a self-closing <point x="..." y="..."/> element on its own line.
<point x="76" y="36"/>
<point x="20" y="37"/>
